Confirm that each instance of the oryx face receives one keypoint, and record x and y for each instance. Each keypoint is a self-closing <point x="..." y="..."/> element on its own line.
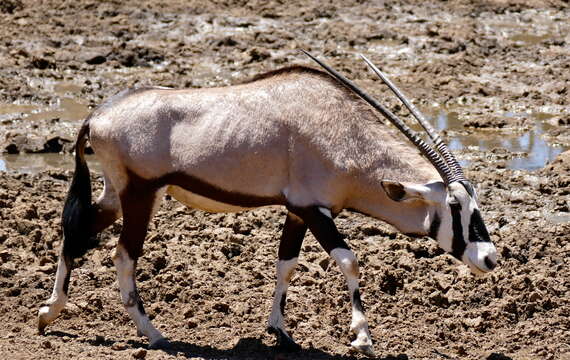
<point x="462" y="231"/>
<point x="454" y="220"/>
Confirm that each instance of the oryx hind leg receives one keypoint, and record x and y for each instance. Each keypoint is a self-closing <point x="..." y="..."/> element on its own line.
<point x="139" y="201"/>
<point x="53" y="307"/>
<point x="289" y="247"/>
<point x="101" y="214"/>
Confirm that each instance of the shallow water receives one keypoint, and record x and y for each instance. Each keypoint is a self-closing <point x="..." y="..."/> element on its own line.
<point x="67" y="107"/>
<point x="528" y="149"/>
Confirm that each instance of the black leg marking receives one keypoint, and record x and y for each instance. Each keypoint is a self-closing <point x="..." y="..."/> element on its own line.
<point x="357" y="301"/>
<point x="292" y="237"/>
<point x="141" y="307"/>
<point x="323" y="227"/>
<point x="282" y="303"/>
<point x="133" y="299"/>
<point x="69" y="265"/>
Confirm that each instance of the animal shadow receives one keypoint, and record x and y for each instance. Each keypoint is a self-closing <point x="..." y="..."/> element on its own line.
<point x="245" y="349"/>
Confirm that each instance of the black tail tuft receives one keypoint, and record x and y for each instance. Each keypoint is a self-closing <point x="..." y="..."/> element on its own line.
<point x="77" y="212"/>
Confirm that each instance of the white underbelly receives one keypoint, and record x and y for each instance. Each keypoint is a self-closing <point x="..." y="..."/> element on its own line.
<point x="200" y="202"/>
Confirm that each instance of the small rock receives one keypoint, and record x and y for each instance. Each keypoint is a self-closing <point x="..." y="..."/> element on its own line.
<point x="191" y="324"/>
<point x="47" y="268"/>
<point x="443" y="281"/>
<point x="532" y="215"/>
<point x="324" y="263"/>
<point x="438" y="299"/>
<point x="119" y="346"/>
<point x="46" y="344"/>
<point x="517" y="196"/>
<point x="222" y="307"/>
<point x="188" y="313"/>
<point x="237" y="239"/>
<point x="5" y="256"/>
<point x="42" y="63"/>
<point x="454" y="295"/>
<point x="535" y="296"/>
<point x="159" y="262"/>
<point x="43" y="260"/>
<point x="474" y="323"/>
<point x="96" y="60"/>
<point x="139" y="354"/>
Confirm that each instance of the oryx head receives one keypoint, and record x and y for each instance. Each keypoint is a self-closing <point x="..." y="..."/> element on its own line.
<point x="455" y="221"/>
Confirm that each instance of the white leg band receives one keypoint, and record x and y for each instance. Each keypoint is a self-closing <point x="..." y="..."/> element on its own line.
<point x="285" y="269"/>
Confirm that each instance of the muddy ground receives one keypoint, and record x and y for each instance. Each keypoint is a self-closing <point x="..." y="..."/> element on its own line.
<point x="207" y="280"/>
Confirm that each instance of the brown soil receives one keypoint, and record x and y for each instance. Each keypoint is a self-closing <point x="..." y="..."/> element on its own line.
<point x="207" y="280"/>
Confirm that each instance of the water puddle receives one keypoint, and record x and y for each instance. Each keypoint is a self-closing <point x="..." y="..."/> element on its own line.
<point x="10" y="109"/>
<point x="529" y="150"/>
<point x="35" y="163"/>
<point x="529" y="39"/>
<point x="67" y="108"/>
<point x="558" y="218"/>
<point x="381" y="45"/>
<point x="523" y="150"/>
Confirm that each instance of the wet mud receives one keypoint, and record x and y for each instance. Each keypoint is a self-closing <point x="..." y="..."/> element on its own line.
<point x="493" y="75"/>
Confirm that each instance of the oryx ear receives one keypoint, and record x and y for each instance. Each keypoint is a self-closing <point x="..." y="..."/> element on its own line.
<point x="400" y="192"/>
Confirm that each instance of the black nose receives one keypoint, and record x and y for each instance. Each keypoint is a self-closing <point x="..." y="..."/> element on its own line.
<point x="490" y="263"/>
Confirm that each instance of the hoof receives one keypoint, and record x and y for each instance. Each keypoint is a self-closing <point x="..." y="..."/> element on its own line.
<point x="41" y="327"/>
<point x="284" y="342"/>
<point x="160" y="344"/>
<point x="364" y="348"/>
<point x="42" y="321"/>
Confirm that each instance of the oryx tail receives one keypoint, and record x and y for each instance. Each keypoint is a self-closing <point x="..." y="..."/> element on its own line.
<point x="77" y="209"/>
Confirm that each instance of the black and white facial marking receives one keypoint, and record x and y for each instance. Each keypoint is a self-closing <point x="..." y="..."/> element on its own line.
<point x="460" y="230"/>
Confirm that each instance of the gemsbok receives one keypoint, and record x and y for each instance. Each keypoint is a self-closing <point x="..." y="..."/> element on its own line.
<point x="298" y="137"/>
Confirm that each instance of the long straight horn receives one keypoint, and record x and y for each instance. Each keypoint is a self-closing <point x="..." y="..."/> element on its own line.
<point x="433" y="135"/>
<point x="435" y="158"/>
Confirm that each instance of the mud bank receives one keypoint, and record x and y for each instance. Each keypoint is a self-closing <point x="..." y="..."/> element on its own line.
<point x="497" y="68"/>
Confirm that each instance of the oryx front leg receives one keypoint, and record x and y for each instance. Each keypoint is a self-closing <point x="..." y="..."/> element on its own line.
<point x="322" y="226"/>
<point x="289" y="247"/>
<point x="349" y="266"/>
